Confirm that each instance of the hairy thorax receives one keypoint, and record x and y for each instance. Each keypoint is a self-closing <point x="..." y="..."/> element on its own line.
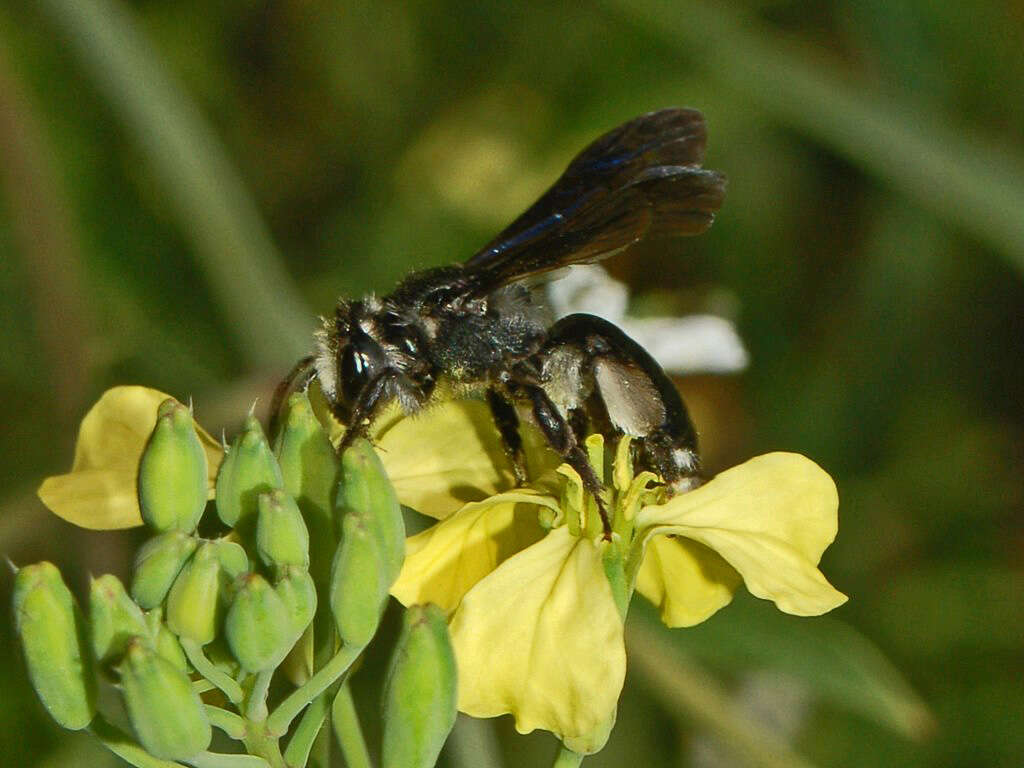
<point x="476" y="348"/>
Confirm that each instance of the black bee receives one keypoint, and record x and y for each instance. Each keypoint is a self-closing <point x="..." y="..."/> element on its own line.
<point x="476" y="326"/>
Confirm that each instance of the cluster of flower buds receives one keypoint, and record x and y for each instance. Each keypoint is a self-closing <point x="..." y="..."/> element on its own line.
<point x="299" y="527"/>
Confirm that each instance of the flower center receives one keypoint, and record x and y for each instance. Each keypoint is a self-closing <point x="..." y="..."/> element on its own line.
<point x="623" y="491"/>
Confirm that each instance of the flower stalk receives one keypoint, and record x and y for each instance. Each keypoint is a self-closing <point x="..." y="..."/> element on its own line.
<point x="281" y="718"/>
<point x="566" y="758"/>
<point x="300" y="745"/>
<point x="348" y="731"/>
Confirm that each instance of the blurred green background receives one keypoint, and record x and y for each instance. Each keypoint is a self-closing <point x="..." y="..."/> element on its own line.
<point x="185" y="186"/>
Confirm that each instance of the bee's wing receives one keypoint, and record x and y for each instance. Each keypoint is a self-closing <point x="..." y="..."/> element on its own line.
<point x="642" y="176"/>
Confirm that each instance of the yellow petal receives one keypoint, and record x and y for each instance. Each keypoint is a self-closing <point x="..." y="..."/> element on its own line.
<point x="541" y="638"/>
<point x="100" y="499"/>
<point x="770" y="519"/>
<point x="450" y="454"/>
<point x="686" y="580"/>
<point x="100" y="491"/>
<point x="448" y="559"/>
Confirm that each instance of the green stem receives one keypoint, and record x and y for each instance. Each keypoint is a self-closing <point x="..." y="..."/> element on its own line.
<point x="256" y="707"/>
<point x="287" y="710"/>
<point x="297" y="752"/>
<point x="207" y="669"/>
<point x="125" y="747"/>
<point x="220" y="760"/>
<point x="259" y="742"/>
<point x="233" y="725"/>
<point x="566" y="758"/>
<point x="348" y="731"/>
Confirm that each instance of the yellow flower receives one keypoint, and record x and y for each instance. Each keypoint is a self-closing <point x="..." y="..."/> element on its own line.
<point x="99" y="492"/>
<point x="538" y="597"/>
<point x="437" y="461"/>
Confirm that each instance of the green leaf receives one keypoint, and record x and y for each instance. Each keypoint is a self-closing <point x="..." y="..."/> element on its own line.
<point x="690" y="693"/>
<point x="833" y="659"/>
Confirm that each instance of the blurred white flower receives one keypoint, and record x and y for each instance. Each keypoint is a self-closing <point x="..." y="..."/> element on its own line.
<point x="691" y="344"/>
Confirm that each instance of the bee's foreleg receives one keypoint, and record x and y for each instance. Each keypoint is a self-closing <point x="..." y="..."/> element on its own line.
<point x="638" y="397"/>
<point x="298" y="378"/>
<point x="377" y="393"/>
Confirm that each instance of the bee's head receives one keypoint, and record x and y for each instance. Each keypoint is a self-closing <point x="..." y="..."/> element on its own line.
<point x="348" y="357"/>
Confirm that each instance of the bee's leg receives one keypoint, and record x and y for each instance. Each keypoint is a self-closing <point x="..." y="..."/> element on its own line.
<point x="579" y="421"/>
<point x="638" y="398"/>
<point x="374" y="395"/>
<point x="300" y="376"/>
<point x="560" y="437"/>
<point x="507" y="421"/>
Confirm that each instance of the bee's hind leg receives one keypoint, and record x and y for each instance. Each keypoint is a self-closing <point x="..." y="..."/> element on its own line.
<point x="560" y="436"/>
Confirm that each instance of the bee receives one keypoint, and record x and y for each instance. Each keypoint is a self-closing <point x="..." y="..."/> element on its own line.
<point x="477" y="327"/>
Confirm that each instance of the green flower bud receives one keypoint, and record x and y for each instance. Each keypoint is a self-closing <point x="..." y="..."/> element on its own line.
<point x="193" y="605"/>
<point x="281" y="535"/>
<point x="420" y="691"/>
<point x="165" y="711"/>
<point x="310" y="468"/>
<point x="298" y="593"/>
<point x="165" y="641"/>
<point x="298" y="664"/>
<point x="366" y="490"/>
<point x="52" y="636"/>
<point x="172" y="472"/>
<point x="220" y="656"/>
<point x="113" y="618"/>
<point x="248" y="469"/>
<point x="359" y="587"/>
<point x="234" y="562"/>
<point x="257" y="627"/>
<point x="157" y="565"/>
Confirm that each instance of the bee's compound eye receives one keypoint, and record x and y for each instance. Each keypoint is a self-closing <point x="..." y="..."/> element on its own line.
<point x="355" y="373"/>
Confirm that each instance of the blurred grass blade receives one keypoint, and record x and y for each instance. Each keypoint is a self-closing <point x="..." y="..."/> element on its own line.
<point x="838" y="664"/>
<point x="44" y="232"/>
<point x="689" y="692"/>
<point x="212" y="205"/>
<point x="954" y="174"/>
